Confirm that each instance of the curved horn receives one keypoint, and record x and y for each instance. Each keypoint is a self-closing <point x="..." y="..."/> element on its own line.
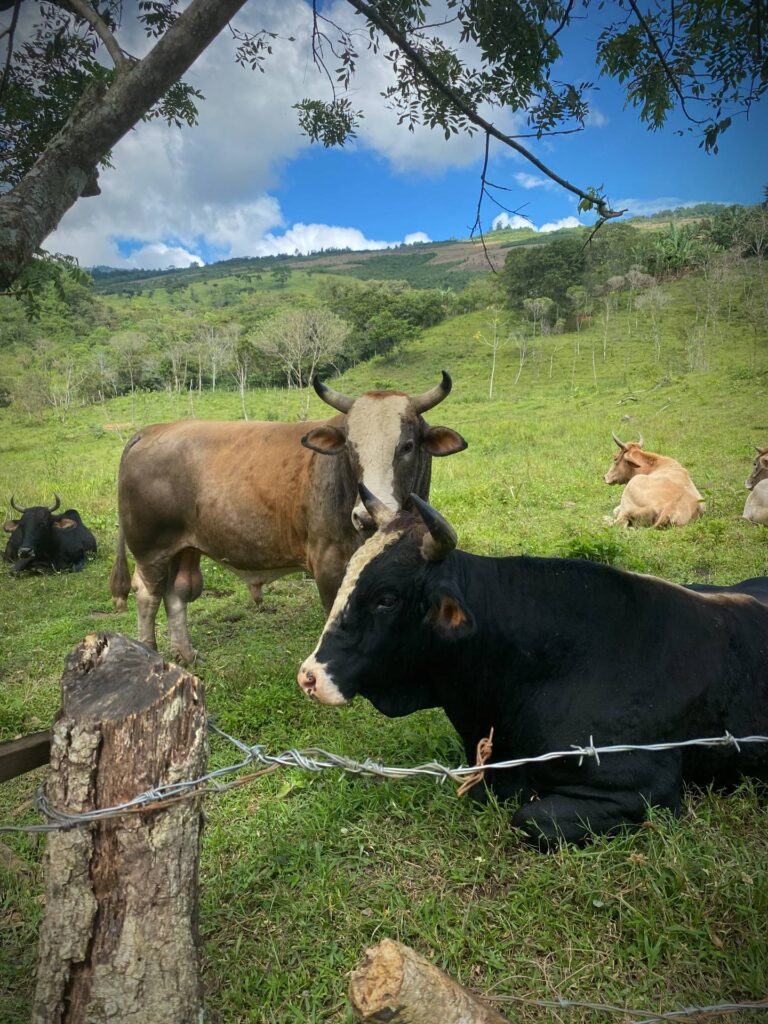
<point x="375" y="507"/>
<point x="441" y="539"/>
<point x="640" y="441"/>
<point x="335" y="399"/>
<point x="430" y="399"/>
<point x="16" y="507"/>
<point x="760" y="450"/>
<point x="56" y="503"/>
<point x="618" y="442"/>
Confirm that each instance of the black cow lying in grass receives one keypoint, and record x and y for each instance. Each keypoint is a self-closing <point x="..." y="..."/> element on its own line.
<point x="40" y="540"/>
<point x="549" y="652"/>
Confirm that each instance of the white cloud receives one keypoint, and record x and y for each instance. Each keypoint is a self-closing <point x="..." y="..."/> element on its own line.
<point x="514" y="220"/>
<point x="416" y="236"/>
<point x="596" y="118"/>
<point x="158" y="256"/>
<point x="306" y="238"/>
<point x="564" y="222"/>
<point x="534" y="181"/>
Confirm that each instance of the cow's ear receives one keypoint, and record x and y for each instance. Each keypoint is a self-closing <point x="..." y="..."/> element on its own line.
<point x="63" y="523"/>
<point x="449" y="615"/>
<point x="326" y="439"/>
<point x="632" y="462"/>
<point x="442" y="441"/>
<point x="10" y="525"/>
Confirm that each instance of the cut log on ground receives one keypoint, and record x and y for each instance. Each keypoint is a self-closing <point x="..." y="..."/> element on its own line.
<point x="397" y="985"/>
<point x="119" y="941"/>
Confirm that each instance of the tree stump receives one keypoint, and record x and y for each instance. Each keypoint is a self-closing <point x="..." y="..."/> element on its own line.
<point x="397" y="985"/>
<point x="119" y="941"/>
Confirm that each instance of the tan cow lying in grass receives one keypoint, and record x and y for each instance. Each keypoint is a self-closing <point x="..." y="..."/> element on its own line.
<point x="756" y="506"/>
<point x="659" y="491"/>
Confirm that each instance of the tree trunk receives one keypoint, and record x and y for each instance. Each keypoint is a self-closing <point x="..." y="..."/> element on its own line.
<point x="31" y="210"/>
<point x="397" y="985"/>
<point x="119" y="940"/>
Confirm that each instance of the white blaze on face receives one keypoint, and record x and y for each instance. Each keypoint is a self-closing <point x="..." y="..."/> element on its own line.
<point x="374" y="426"/>
<point x="324" y="689"/>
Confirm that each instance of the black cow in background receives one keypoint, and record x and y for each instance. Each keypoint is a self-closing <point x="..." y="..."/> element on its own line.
<point x="40" y="540"/>
<point x="550" y="652"/>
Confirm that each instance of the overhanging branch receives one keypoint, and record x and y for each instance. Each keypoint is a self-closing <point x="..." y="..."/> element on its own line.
<point x="394" y="35"/>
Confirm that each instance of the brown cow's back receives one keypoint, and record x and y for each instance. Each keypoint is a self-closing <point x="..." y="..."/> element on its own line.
<point x="215" y="486"/>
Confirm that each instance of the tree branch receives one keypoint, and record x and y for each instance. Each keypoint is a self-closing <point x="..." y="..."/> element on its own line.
<point x="395" y="36"/>
<point x="9" y="57"/>
<point x="86" y="13"/>
<point x="662" y="60"/>
<point x="31" y="210"/>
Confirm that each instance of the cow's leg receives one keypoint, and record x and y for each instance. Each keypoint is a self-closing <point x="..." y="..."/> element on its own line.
<point x="328" y="567"/>
<point x="148" y="587"/>
<point x="185" y="584"/>
<point x="572" y="813"/>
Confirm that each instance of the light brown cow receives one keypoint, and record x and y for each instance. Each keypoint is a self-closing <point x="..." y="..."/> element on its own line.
<point x="264" y="499"/>
<point x="659" y="491"/>
<point x="756" y="505"/>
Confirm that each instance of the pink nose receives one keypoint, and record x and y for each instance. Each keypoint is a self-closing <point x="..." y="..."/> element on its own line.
<point x="307" y="681"/>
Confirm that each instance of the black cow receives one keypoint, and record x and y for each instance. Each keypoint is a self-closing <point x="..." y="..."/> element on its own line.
<point x="41" y="540"/>
<point x="549" y="652"/>
<point x="756" y="587"/>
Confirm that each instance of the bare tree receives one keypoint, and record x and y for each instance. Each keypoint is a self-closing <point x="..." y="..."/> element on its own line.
<point x="653" y="302"/>
<point x="300" y="340"/>
<point x="240" y="353"/>
<point x="131" y="349"/>
<point x="494" y="339"/>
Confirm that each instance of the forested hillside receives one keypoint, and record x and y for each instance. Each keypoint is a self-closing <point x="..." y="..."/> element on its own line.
<point x="274" y="322"/>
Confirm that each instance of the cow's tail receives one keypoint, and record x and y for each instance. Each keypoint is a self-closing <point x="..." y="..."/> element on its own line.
<point x="119" y="578"/>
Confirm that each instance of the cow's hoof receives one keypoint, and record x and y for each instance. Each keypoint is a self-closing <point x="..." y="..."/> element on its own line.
<point x="189" y="658"/>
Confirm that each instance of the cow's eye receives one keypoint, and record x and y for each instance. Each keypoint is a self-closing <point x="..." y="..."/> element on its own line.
<point x="407" y="447"/>
<point x="386" y="603"/>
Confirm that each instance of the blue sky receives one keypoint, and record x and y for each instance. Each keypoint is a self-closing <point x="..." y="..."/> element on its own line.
<point x="245" y="182"/>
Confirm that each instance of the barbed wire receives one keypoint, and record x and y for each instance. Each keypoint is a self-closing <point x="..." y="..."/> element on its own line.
<point x="641" y="1016"/>
<point x="315" y="759"/>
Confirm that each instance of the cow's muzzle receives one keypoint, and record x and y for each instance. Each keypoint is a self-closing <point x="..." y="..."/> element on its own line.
<point x="317" y="684"/>
<point x="307" y="680"/>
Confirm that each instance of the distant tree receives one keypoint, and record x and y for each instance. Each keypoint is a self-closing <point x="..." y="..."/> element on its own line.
<point x="131" y="349"/>
<point x="300" y="341"/>
<point x="581" y="304"/>
<point x="753" y="233"/>
<point x="539" y="311"/>
<point x="494" y="337"/>
<point x="281" y="275"/>
<point x="653" y="301"/>
<point x="241" y="357"/>
<point x="549" y="268"/>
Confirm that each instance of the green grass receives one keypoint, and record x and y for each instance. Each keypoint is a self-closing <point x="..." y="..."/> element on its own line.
<point x="301" y="872"/>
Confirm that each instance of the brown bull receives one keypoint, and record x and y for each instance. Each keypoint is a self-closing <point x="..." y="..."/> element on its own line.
<point x="264" y="499"/>
<point x="659" y="491"/>
<point x="756" y="505"/>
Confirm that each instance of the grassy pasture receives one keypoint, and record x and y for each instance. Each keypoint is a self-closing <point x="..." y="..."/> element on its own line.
<point x="301" y="872"/>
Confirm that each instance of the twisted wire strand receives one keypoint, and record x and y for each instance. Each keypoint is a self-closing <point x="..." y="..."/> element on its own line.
<point x="316" y="759"/>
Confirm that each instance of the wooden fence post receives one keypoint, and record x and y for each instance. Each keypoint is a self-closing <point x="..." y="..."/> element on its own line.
<point x="119" y="941"/>
<point x="397" y="985"/>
